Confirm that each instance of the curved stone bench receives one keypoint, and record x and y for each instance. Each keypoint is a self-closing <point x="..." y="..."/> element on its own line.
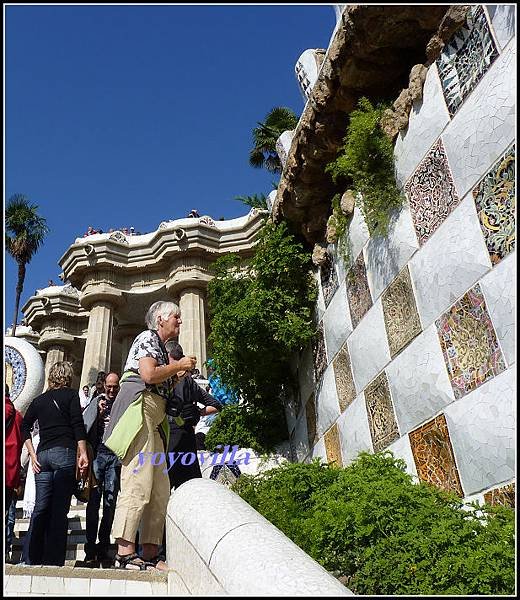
<point x="220" y="545"/>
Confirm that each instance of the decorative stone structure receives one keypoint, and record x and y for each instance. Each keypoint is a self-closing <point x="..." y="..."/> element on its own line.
<point x="113" y="279"/>
<point x="24" y="372"/>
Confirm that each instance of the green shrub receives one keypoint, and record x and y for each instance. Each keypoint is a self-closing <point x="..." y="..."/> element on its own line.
<point x="367" y="160"/>
<point x="387" y="535"/>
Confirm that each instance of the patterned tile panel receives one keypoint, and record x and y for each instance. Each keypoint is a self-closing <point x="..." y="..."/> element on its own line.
<point x="329" y="279"/>
<point x="381" y="418"/>
<point x="332" y="446"/>
<point x="433" y="455"/>
<point x="465" y="58"/>
<point x="469" y="343"/>
<point x="310" y="414"/>
<point x="401" y="317"/>
<point x="345" y="387"/>
<point x="319" y="353"/>
<point x="358" y="292"/>
<point x="503" y="496"/>
<point x="431" y="193"/>
<point x="495" y="202"/>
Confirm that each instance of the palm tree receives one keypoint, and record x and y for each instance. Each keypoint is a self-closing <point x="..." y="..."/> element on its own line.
<point x="25" y="232"/>
<point x="264" y="153"/>
<point x="254" y="201"/>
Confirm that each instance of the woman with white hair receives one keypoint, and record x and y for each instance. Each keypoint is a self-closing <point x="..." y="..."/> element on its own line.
<point x="138" y="425"/>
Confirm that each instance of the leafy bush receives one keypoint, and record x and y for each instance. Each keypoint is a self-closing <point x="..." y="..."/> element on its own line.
<point x="367" y="160"/>
<point x="387" y="535"/>
<point x="261" y="313"/>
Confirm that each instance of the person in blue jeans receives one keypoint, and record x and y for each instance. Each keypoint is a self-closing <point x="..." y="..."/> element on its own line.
<point x="62" y="446"/>
<point x="107" y="470"/>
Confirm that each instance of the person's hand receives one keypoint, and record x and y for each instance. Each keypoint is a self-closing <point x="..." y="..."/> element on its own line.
<point x="102" y="405"/>
<point x="187" y="363"/>
<point x="83" y="462"/>
<point x="36" y="467"/>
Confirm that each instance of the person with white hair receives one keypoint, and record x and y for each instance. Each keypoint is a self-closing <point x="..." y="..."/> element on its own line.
<point x="138" y="425"/>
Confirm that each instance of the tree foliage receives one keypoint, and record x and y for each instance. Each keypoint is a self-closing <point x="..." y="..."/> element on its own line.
<point x="255" y="201"/>
<point x="370" y="523"/>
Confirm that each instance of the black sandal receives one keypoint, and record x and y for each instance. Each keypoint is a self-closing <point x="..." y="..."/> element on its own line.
<point x="129" y="562"/>
<point x="153" y="562"/>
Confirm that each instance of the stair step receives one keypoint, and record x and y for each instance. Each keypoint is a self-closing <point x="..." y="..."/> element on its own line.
<point x="75" y="524"/>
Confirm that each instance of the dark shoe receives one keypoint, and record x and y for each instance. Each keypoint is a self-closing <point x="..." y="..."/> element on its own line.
<point x="91" y="562"/>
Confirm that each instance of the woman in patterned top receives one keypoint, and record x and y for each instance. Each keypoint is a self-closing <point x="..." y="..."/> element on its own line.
<point x="140" y="408"/>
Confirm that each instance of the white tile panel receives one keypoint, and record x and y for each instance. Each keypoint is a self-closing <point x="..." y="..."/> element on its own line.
<point x="327" y="404"/>
<point x="385" y="256"/>
<point x="336" y="322"/>
<point x="306" y="374"/>
<point x="499" y="289"/>
<point x="503" y="21"/>
<point x="368" y="347"/>
<point x="318" y="451"/>
<point x="484" y="126"/>
<point x="449" y="263"/>
<point x="482" y="433"/>
<point x="401" y="449"/>
<point x="301" y="439"/>
<point x="419" y="382"/>
<point x="354" y="431"/>
<point x="428" y="118"/>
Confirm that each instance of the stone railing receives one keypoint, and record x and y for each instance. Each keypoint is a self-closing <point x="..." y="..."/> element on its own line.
<point x="219" y="545"/>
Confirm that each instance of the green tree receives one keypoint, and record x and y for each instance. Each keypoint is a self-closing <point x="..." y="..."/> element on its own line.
<point x="25" y="232"/>
<point x="255" y="201"/>
<point x="263" y="153"/>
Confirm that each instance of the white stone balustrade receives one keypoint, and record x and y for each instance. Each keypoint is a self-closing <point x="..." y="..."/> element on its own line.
<point x="222" y="546"/>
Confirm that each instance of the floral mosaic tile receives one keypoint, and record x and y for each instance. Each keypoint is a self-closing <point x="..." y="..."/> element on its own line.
<point x="504" y="496"/>
<point x="431" y="193"/>
<point x="310" y="414"/>
<point x="332" y="446"/>
<point x="465" y="58"/>
<point x="495" y="201"/>
<point x="381" y="418"/>
<point x="329" y="279"/>
<point x="345" y="387"/>
<point x="319" y="353"/>
<point x="400" y="311"/>
<point x="358" y="292"/>
<point x="433" y="455"/>
<point x="469" y="343"/>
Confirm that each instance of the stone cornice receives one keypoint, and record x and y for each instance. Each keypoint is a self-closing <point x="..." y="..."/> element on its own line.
<point x="42" y="306"/>
<point x="371" y="54"/>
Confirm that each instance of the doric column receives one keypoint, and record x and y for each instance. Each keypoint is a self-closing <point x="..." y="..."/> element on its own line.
<point x="192" y="336"/>
<point x="98" y="344"/>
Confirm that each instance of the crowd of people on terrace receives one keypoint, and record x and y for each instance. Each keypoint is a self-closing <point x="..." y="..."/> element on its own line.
<point x="124" y="230"/>
<point x="96" y="436"/>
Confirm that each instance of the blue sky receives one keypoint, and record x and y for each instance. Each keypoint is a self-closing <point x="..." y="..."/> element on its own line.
<point x="130" y="115"/>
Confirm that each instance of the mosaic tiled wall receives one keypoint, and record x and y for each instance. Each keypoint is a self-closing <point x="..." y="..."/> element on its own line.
<point x="416" y="343"/>
<point x="504" y="496"/>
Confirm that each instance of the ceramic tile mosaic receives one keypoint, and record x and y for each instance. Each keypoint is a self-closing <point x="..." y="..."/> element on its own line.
<point x="380" y="410"/>
<point x="431" y="192"/>
<point x="495" y="202"/>
<point x="401" y="449"/>
<point x="503" y="21"/>
<point x="499" y="289"/>
<point x="318" y="451"/>
<point x="482" y="430"/>
<point x="368" y="347"/>
<point x="358" y="236"/>
<point x="465" y="58"/>
<point x="358" y="292"/>
<point x="386" y="255"/>
<point x="354" y="432"/>
<point x="427" y="120"/>
<point x="336" y="322"/>
<point x="329" y="279"/>
<point x="319" y="353"/>
<point x="345" y="387"/>
<point x="469" y="343"/>
<point x="332" y="446"/>
<point x="400" y="312"/>
<point x="310" y="415"/>
<point x="484" y="127"/>
<point x="327" y="405"/>
<point x="454" y="259"/>
<point x="300" y="438"/>
<point x="305" y="372"/>
<point x="433" y="455"/>
<point x="419" y="381"/>
<point x="503" y="496"/>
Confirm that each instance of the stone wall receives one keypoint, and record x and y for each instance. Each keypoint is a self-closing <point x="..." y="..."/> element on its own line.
<point x="416" y="351"/>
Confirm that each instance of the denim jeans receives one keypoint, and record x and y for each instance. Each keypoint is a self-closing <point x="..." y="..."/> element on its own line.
<point x="9" y="526"/>
<point x="46" y="540"/>
<point x="107" y="471"/>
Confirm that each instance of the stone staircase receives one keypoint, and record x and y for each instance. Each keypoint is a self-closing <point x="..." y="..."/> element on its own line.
<point x="75" y="580"/>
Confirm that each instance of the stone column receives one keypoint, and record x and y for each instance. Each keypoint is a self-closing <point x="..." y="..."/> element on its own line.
<point x="192" y="336"/>
<point x="55" y="353"/>
<point x="126" y="342"/>
<point x="99" y="341"/>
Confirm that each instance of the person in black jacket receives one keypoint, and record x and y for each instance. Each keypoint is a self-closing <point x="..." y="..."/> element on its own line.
<point x="62" y="434"/>
<point x="187" y="395"/>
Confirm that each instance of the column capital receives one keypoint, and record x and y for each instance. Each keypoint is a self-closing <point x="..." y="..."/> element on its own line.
<point x="177" y="285"/>
<point x="55" y="338"/>
<point x="99" y="295"/>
